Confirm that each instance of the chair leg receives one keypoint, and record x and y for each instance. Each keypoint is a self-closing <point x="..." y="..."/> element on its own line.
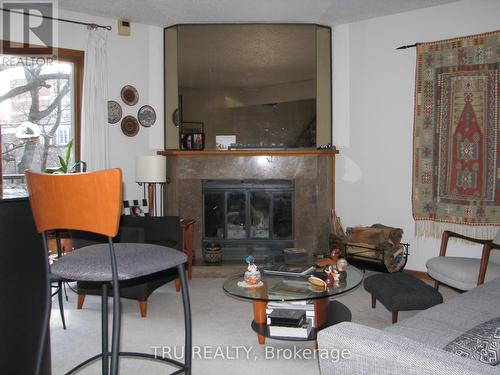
<point x="187" y="319"/>
<point x="143" y="307"/>
<point x="104" y="327"/>
<point x="60" y="300"/>
<point x="177" y="284"/>
<point x="65" y="292"/>
<point x="394" y="317"/>
<point x="115" y="336"/>
<point x="80" y="301"/>
<point x="374" y="302"/>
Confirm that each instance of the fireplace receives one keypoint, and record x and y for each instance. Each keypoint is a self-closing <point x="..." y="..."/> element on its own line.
<point x="251" y="216"/>
<point x="308" y="175"/>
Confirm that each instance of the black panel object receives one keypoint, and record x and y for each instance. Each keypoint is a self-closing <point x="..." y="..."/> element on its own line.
<point x="24" y="291"/>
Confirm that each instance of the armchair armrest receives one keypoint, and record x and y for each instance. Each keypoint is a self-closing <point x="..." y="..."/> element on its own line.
<point x="485" y="257"/>
<point x="447" y="234"/>
<point x="488" y="245"/>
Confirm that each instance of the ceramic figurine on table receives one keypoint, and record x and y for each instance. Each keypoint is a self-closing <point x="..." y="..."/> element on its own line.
<point x="334" y="255"/>
<point x="332" y="276"/>
<point x="341" y="264"/>
<point x="329" y="279"/>
<point x="252" y="275"/>
<point x="341" y="267"/>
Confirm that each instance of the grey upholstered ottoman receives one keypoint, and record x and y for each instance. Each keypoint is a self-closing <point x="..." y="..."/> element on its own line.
<point x="401" y="292"/>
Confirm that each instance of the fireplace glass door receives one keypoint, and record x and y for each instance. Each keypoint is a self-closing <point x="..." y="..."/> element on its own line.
<point x="260" y="205"/>
<point x="236" y="216"/>
<point x="248" y="213"/>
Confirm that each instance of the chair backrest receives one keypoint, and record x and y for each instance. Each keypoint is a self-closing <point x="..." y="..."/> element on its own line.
<point x="89" y="202"/>
<point x="495" y="253"/>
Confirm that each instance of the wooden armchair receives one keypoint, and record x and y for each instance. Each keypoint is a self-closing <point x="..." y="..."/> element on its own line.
<point x="465" y="273"/>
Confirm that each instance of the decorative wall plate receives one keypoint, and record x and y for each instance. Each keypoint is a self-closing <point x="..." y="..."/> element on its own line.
<point x="130" y="126"/>
<point x="146" y="116"/>
<point x="129" y="95"/>
<point x="114" y="112"/>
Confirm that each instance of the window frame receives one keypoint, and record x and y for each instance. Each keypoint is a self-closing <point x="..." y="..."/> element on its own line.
<point x="77" y="57"/>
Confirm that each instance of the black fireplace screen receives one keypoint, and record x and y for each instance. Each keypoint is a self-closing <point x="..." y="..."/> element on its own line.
<point x="248" y="211"/>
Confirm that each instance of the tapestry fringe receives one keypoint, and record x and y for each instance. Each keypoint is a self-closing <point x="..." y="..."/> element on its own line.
<point x="428" y="228"/>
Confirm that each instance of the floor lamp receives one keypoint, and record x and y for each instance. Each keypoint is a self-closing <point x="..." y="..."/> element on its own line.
<point x="151" y="173"/>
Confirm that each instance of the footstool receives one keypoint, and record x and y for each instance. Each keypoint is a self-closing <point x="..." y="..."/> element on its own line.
<point x="401" y="292"/>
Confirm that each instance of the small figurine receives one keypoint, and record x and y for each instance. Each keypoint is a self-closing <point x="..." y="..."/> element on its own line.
<point x="330" y="280"/>
<point x="328" y="269"/>
<point x="332" y="276"/>
<point x="252" y="276"/>
<point x="341" y="264"/>
<point x="334" y="255"/>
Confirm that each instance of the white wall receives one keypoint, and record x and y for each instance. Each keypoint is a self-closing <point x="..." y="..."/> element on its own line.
<point x="136" y="60"/>
<point x="373" y="87"/>
<point x="375" y="123"/>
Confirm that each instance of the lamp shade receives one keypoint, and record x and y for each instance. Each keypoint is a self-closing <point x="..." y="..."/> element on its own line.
<point x="151" y="169"/>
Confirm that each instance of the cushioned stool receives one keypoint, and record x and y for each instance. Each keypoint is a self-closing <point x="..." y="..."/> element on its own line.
<point x="401" y="292"/>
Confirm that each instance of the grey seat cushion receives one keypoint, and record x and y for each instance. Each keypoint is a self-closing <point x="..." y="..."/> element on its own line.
<point x="458" y="272"/>
<point x="400" y="291"/>
<point x="93" y="263"/>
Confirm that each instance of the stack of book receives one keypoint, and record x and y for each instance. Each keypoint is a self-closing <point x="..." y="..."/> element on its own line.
<point x="290" y="319"/>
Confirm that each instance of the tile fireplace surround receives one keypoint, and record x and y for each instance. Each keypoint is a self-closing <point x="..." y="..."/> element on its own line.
<point x="312" y="172"/>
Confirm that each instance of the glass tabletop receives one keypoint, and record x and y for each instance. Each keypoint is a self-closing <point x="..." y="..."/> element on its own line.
<point x="291" y="288"/>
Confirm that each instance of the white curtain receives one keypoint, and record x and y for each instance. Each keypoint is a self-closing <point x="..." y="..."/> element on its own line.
<point x="95" y="96"/>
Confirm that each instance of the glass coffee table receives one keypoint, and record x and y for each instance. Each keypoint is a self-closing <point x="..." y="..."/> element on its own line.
<point x="280" y="288"/>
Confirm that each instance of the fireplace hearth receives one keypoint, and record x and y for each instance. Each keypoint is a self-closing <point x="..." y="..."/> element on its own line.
<point x="248" y="217"/>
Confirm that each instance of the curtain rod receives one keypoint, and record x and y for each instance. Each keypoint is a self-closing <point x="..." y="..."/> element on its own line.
<point x="407" y="46"/>
<point x="106" y="27"/>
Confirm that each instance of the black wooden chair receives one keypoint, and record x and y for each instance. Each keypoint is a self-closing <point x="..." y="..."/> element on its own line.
<point x="158" y="230"/>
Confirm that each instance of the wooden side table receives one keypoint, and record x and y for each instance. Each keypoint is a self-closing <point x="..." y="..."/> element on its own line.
<point x="187" y="230"/>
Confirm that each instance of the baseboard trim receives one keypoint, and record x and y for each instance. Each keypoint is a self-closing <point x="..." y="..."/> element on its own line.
<point x="419" y="275"/>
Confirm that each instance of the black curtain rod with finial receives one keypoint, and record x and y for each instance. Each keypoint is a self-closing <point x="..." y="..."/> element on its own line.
<point x="407" y="46"/>
<point x="106" y="27"/>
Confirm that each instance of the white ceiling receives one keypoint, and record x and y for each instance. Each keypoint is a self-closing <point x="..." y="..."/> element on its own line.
<point x="169" y="12"/>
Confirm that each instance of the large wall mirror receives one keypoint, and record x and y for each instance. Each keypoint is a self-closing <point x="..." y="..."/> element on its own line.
<point x="267" y="84"/>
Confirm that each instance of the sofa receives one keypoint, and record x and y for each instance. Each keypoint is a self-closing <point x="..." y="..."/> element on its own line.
<point x="414" y="345"/>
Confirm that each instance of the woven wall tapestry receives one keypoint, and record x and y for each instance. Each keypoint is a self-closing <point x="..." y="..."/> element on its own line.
<point x="456" y="167"/>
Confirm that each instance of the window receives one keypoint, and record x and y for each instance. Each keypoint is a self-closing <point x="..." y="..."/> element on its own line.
<point x="39" y="115"/>
<point x="63" y="135"/>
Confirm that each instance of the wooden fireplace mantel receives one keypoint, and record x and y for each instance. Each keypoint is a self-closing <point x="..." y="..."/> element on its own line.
<point x="261" y="152"/>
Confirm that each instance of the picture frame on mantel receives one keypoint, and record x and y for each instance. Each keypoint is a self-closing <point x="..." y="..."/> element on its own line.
<point x="223" y="142"/>
<point x="192" y="136"/>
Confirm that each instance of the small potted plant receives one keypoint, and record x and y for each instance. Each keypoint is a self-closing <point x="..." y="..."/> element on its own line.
<point x="64" y="163"/>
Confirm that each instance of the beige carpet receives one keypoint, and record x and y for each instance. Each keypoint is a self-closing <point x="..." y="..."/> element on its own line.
<point x="222" y="334"/>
